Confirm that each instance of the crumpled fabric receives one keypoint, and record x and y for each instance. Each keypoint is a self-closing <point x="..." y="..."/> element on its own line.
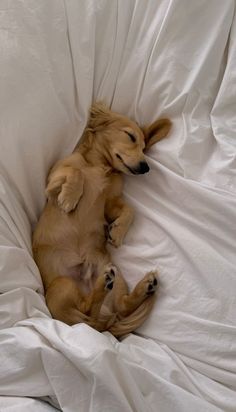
<point x="152" y="59"/>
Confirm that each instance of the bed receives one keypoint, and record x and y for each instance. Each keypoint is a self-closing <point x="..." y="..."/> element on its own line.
<point x="173" y="58"/>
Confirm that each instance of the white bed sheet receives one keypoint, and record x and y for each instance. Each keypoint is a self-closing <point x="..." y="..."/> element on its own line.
<point x="172" y="58"/>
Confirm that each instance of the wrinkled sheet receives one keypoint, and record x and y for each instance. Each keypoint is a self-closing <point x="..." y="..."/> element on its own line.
<point x="172" y="58"/>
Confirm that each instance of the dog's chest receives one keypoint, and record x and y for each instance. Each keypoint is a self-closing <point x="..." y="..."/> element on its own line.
<point x="89" y="213"/>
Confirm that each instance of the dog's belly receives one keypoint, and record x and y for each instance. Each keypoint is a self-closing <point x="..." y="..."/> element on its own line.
<point x="87" y="242"/>
<point x="72" y="244"/>
<point x="85" y="275"/>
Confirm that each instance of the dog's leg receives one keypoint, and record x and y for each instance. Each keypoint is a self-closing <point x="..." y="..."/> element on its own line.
<point x="90" y="304"/>
<point x="121" y="216"/>
<point x="64" y="298"/>
<point x="71" y="191"/>
<point x="103" y="285"/>
<point x="67" y="184"/>
<point x="125" y="302"/>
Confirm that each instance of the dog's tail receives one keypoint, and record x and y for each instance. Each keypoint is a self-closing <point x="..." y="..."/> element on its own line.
<point x="61" y="298"/>
<point x="115" y="324"/>
<point x="128" y="324"/>
<point x="111" y="322"/>
<point x="74" y="316"/>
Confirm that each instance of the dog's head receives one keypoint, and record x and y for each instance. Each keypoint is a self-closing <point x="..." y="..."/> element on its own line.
<point x="121" y="141"/>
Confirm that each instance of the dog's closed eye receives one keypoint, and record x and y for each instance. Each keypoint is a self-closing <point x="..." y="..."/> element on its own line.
<point x="131" y="136"/>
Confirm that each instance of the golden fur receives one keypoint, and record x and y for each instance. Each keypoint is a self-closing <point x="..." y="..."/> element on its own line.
<point x="84" y="210"/>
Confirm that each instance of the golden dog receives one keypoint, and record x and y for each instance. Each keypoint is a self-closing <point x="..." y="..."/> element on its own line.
<point x="84" y="210"/>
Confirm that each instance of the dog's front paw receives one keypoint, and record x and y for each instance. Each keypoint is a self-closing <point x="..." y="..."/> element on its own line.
<point x="67" y="201"/>
<point x="116" y="234"/>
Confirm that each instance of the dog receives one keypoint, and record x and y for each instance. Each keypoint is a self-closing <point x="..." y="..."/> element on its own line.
<point x="85" y="210"/>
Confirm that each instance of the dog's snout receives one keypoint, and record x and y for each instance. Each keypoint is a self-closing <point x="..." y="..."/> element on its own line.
<point x="143" y="167"/>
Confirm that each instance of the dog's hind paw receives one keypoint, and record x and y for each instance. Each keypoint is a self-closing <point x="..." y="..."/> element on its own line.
<point x="152" y="283"/>
<point x="109" y="275"/>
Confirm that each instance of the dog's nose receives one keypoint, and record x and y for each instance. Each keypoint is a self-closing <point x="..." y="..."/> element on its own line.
<point x="143" y="167"/>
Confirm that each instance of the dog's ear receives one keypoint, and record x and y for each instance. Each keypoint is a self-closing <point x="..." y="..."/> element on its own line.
<point x="100" y="116"/>
<point x="156" y="131"/>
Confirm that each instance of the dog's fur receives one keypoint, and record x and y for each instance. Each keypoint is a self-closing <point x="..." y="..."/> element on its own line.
<point x="84" y="210"/>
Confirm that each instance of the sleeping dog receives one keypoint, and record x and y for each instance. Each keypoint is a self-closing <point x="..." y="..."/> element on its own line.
<point x="85" y="210"/>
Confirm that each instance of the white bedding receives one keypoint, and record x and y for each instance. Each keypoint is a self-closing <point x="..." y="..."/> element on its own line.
<point x="147" y="59"/>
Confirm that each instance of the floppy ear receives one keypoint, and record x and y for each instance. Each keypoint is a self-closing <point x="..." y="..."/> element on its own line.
<point x="100" y="116"/>
<point x="156" y="131"/>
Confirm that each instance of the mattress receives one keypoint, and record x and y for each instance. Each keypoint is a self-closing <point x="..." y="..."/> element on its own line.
<point x="172" y="58"/>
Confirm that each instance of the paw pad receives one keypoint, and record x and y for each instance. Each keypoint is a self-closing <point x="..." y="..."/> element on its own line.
<point x="110" y="277"/>
<point x="152" y="284"/>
